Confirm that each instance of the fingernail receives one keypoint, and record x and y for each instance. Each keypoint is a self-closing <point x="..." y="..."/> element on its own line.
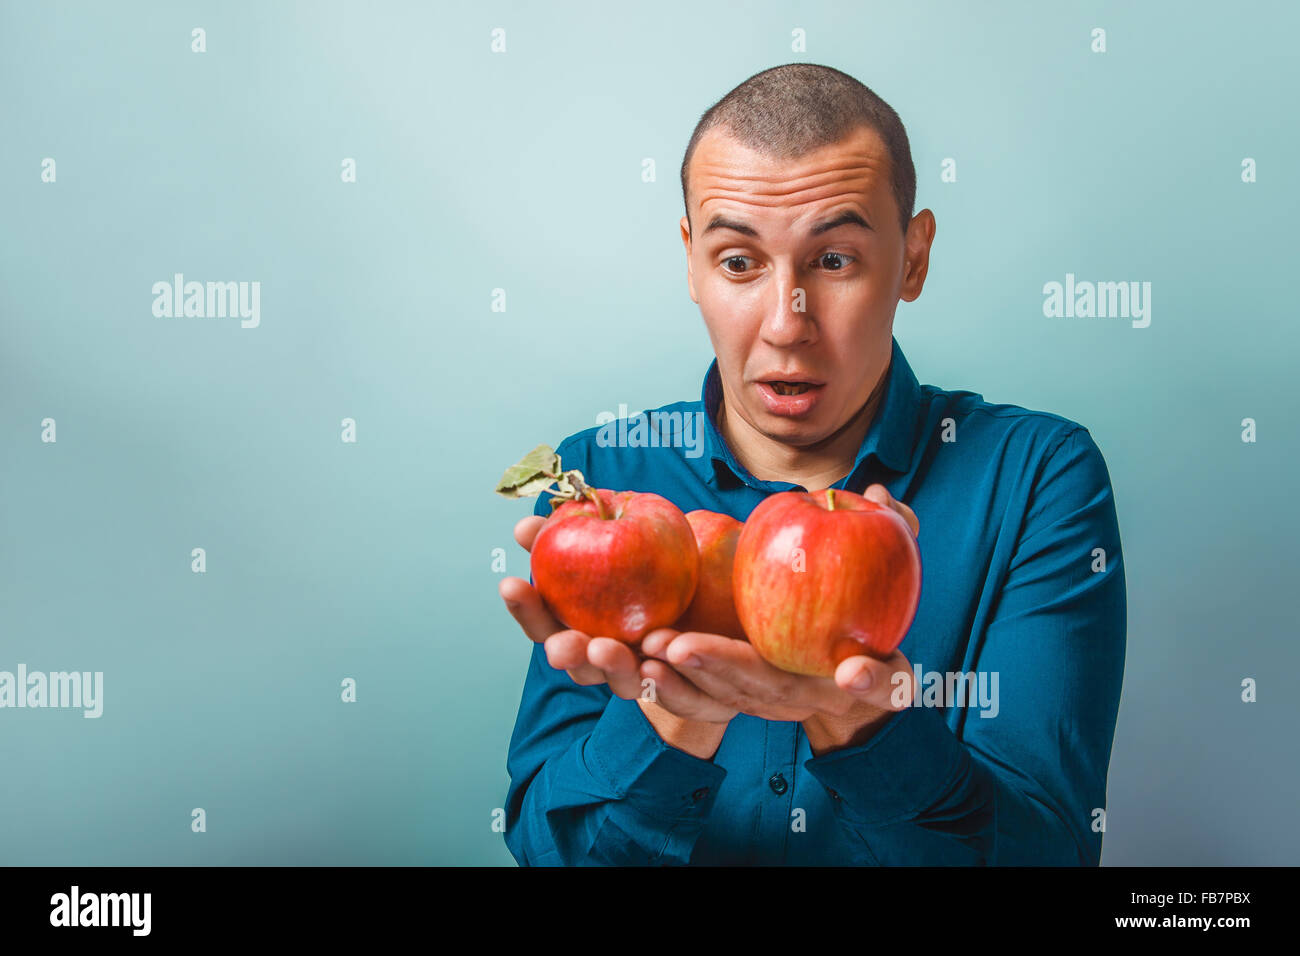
<point x="863" y="680"/>
<point x="512" y="605"/>
<point x="691" y="661"/>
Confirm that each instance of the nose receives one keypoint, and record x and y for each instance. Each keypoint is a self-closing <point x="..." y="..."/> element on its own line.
<point x="789" y="321"/>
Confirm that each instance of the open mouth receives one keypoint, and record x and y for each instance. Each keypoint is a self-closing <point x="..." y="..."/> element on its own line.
<point x="790" y="398"/>
<point x="790" y="388"/>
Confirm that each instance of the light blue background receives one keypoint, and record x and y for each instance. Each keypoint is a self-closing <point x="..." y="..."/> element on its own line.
<point x="523" y="171"/>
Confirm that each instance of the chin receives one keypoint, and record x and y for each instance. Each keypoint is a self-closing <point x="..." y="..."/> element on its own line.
<point x="791" y="431"/>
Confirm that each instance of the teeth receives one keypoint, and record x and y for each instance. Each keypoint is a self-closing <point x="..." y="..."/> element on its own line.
<point x="789" y="388"/>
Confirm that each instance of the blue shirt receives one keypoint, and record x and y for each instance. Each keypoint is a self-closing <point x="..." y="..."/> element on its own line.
<point x="1022" y="588"/>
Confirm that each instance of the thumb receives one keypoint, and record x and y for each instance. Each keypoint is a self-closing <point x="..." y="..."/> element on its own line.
<point x="857" y="675"/>
<point x="875" y="680"/>
<point x="526" y="530"/>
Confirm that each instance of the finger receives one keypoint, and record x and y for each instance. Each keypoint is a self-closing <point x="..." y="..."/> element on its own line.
<point x="567" y="651"/>
<point x="618" y="663"/>
<point x="888" y="684"/>
<point x="679" y="696"/>
<point x="910" y="517"/>
<point x="732" y="671"/>
<point x="656" y="642"/>
<point x="877" y="493"/>
<point x="525" y="606"/>
<point x="881" y="496"/>
<point x="526" y="530"/>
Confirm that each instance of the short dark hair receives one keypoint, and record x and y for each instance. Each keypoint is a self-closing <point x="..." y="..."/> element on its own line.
<point x="791" y="110"/>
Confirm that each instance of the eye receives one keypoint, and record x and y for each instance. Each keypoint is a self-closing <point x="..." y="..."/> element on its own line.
<point x="845" y="260"/>
<point x="730" y="259"/>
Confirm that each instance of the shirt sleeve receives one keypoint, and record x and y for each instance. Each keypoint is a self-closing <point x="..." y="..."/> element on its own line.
<point x="1025" y="785"/>
<point x="591" y="780"/>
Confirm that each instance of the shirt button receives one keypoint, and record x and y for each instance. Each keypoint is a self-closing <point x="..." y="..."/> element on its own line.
<point x="700" y="794"/>
<point x="777" y="783"/>
<point x="835" y="796"/>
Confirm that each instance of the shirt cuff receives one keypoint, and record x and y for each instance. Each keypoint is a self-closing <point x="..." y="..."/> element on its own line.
<point x="901" y="771"/>
<point x="626" y="754"/>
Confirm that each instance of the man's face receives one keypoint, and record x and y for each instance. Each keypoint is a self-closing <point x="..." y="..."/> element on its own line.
<point x="747" y="283"/>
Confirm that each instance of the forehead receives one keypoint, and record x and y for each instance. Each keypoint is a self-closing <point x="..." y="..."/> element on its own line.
<point x="726" y="173"/>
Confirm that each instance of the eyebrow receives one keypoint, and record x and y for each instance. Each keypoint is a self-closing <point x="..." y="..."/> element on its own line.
<point x="847" y="218"/>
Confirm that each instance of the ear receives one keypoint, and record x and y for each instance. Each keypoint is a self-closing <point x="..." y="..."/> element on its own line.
<point x="920" y="236"/>
<point x="690" y="269"/>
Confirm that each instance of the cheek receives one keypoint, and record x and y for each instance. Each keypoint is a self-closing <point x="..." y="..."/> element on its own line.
<point x="849" y="365"/>
<point x="853" y="318"/>
<point x="859" y="299"/>
<point x="732" y="324"/>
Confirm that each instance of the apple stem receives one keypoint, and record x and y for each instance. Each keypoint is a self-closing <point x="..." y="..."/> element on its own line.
<point x="538" y="470"/>
<point x="590" y="493"/>
<point x="577" y="487"/>
<point x="830" y="499"/>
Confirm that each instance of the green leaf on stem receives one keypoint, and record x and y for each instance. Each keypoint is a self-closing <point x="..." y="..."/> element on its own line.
<point x="531" y="475"/>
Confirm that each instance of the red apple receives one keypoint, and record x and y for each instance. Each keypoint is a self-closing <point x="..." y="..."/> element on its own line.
<point x="618" y="569"/>
<point x="825" y="575"/>
<point x="713" y="609"/>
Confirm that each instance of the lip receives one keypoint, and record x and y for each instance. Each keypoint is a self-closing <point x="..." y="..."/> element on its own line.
<point x="789" y="406"/>
<point x="795" y="376"/>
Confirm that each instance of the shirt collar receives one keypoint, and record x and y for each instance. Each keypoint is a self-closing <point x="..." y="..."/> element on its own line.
<point x="891" y="439"/>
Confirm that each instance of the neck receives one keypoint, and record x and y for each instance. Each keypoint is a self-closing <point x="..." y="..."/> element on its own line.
<point x="814" y="466"/>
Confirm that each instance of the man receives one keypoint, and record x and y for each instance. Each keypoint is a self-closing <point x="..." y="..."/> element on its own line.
<point x="800" y="241"/>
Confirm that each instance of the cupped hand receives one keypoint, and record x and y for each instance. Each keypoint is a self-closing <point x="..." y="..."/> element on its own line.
<point x="711" y="678"/>
<point x="731" y="674"/>
<point x="587" y="660"/>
